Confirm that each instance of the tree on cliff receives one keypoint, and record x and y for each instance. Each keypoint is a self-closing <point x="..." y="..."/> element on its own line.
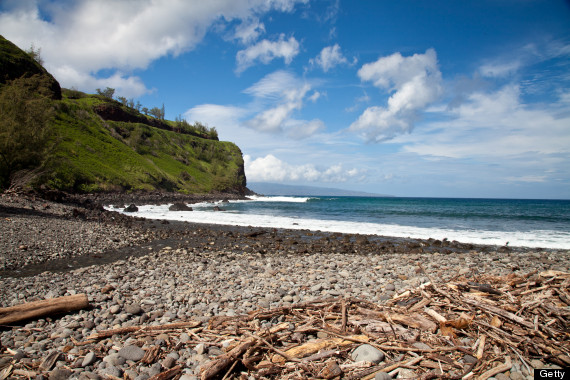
<point x="24" y="127"/>
<point x="107" y="92"/>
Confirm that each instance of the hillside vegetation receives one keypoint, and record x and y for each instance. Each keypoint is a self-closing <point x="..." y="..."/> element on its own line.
<point x="90" y="143"/>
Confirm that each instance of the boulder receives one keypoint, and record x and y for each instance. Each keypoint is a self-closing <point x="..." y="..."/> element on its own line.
<point x="180" y="207"/>
<point x="216" y="208"/>
<point x="131" y="208"/>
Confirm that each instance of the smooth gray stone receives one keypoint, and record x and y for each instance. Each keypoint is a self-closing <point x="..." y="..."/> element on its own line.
<point x="133" y="353"/>
<point x="367" y="353"/>
<point x="113" y="371"/>
<point x="89" y="359"/>
<point x="60" y="374"/>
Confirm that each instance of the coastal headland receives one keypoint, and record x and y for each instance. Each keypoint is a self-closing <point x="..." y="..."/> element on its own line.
<point x="138" y="272"/>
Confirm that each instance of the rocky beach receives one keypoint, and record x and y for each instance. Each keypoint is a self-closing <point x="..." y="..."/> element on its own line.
<point x="138" y="272"/>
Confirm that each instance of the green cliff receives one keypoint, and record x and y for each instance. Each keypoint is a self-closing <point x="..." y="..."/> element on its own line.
<point x="72" y="141"/>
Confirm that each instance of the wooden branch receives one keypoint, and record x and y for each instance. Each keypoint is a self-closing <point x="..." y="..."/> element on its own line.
<point x="315" y="346"/>
<point x="223" y="361"/>
<point x="498" y="369"/>
<point x="435" y="315"/>
<point x="167" y="374"/>
<point x="344" y="313"/>
<point x="501" y="312"/>
<point x="38" y="309"/>
<point x="130" y="329"/>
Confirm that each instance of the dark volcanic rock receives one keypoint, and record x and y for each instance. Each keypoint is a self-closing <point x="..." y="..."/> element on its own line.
<point x="131" y="208"/>
<point x="180" y="207"/>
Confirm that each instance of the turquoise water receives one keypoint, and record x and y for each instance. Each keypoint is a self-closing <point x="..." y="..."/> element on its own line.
<point x="532" y="223"/>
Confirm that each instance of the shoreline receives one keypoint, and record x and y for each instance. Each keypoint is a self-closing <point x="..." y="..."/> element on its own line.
<point x="114" y="236"/>
<point x="177" y="272"/>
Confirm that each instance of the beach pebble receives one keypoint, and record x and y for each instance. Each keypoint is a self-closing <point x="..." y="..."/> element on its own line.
<point x="89" y="359"/>
<point x="200" y="348"/>
<point x="114" y="359"/>
<point x="168" y="362"/>
<point x="114" y="309"/>
<point x="367" y="353"/>
<point x="382" y="376"/>
<point x="133" y="309"/>
<point x="131" y="352"/>
<point x="421" y="346"/>
<point x="60" y="374"/>
<point x="112" y="371"/>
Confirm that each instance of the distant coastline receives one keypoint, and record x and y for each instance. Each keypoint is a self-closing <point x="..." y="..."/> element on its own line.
<point x="268" y="188"/>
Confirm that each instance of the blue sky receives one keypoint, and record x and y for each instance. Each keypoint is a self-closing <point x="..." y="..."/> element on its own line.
<point x="409" y="98"/>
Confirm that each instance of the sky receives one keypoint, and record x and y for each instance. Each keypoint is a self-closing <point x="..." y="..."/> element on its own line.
<point x="408" y="98"/>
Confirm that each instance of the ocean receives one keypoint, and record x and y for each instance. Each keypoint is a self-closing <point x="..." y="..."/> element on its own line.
<point x="526" y="223"/>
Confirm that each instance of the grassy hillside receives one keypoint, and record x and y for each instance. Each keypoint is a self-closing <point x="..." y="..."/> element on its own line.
<point x="93" y="154"/>
<point x="90" y="143"/>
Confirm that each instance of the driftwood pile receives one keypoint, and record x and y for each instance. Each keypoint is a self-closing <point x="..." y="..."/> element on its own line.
<point x="474" y="329"/>
<point x="463" y="329"/>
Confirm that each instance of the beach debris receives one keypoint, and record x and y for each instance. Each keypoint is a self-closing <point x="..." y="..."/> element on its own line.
<point x="460" y="329"/>
<point x="42" y="308"/>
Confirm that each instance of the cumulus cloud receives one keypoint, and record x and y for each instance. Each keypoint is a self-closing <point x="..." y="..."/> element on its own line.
<point x="266" y="51"/>
<point x="329" y="57"/>
<point x="88" y="36"/>
<point x="414" y="82"/>
<point x="496" y="125"/>
<point x="272" y="169"/>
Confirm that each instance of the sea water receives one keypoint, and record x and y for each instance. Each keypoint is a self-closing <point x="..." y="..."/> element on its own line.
<point x="528" y="223"/>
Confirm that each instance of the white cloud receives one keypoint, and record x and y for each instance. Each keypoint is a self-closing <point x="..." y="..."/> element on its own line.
<point x="329" y="57"/>
<point x="414" y="82"/>
<point x="300" y="129"/>
<point x="496" y="126"/>
<point x="275" y="99"/>
<point x="316" y="95"/>
<point x="249" y="30"/>
<point x="286" y="93"/>
<point x="87" y="36"/>
<point x="497" y="70"/>
<point x="265" y="51"/>
<point x="274" y="85"/>
<point x="272" y="169"/>
<point x="216" y="115"/>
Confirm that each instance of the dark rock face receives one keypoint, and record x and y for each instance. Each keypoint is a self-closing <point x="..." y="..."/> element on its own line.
<point x="131" y="208"/>
<point x="179" y="207"/>
<point x="16" y="63"/>
<point x="217" y="208"/>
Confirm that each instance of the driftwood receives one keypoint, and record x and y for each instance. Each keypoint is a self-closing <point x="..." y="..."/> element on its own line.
<point x="131" y="329"/>
<point x="470" y="328"/>
<point x="310" y="348"/>
<point x="43" y="308"/>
